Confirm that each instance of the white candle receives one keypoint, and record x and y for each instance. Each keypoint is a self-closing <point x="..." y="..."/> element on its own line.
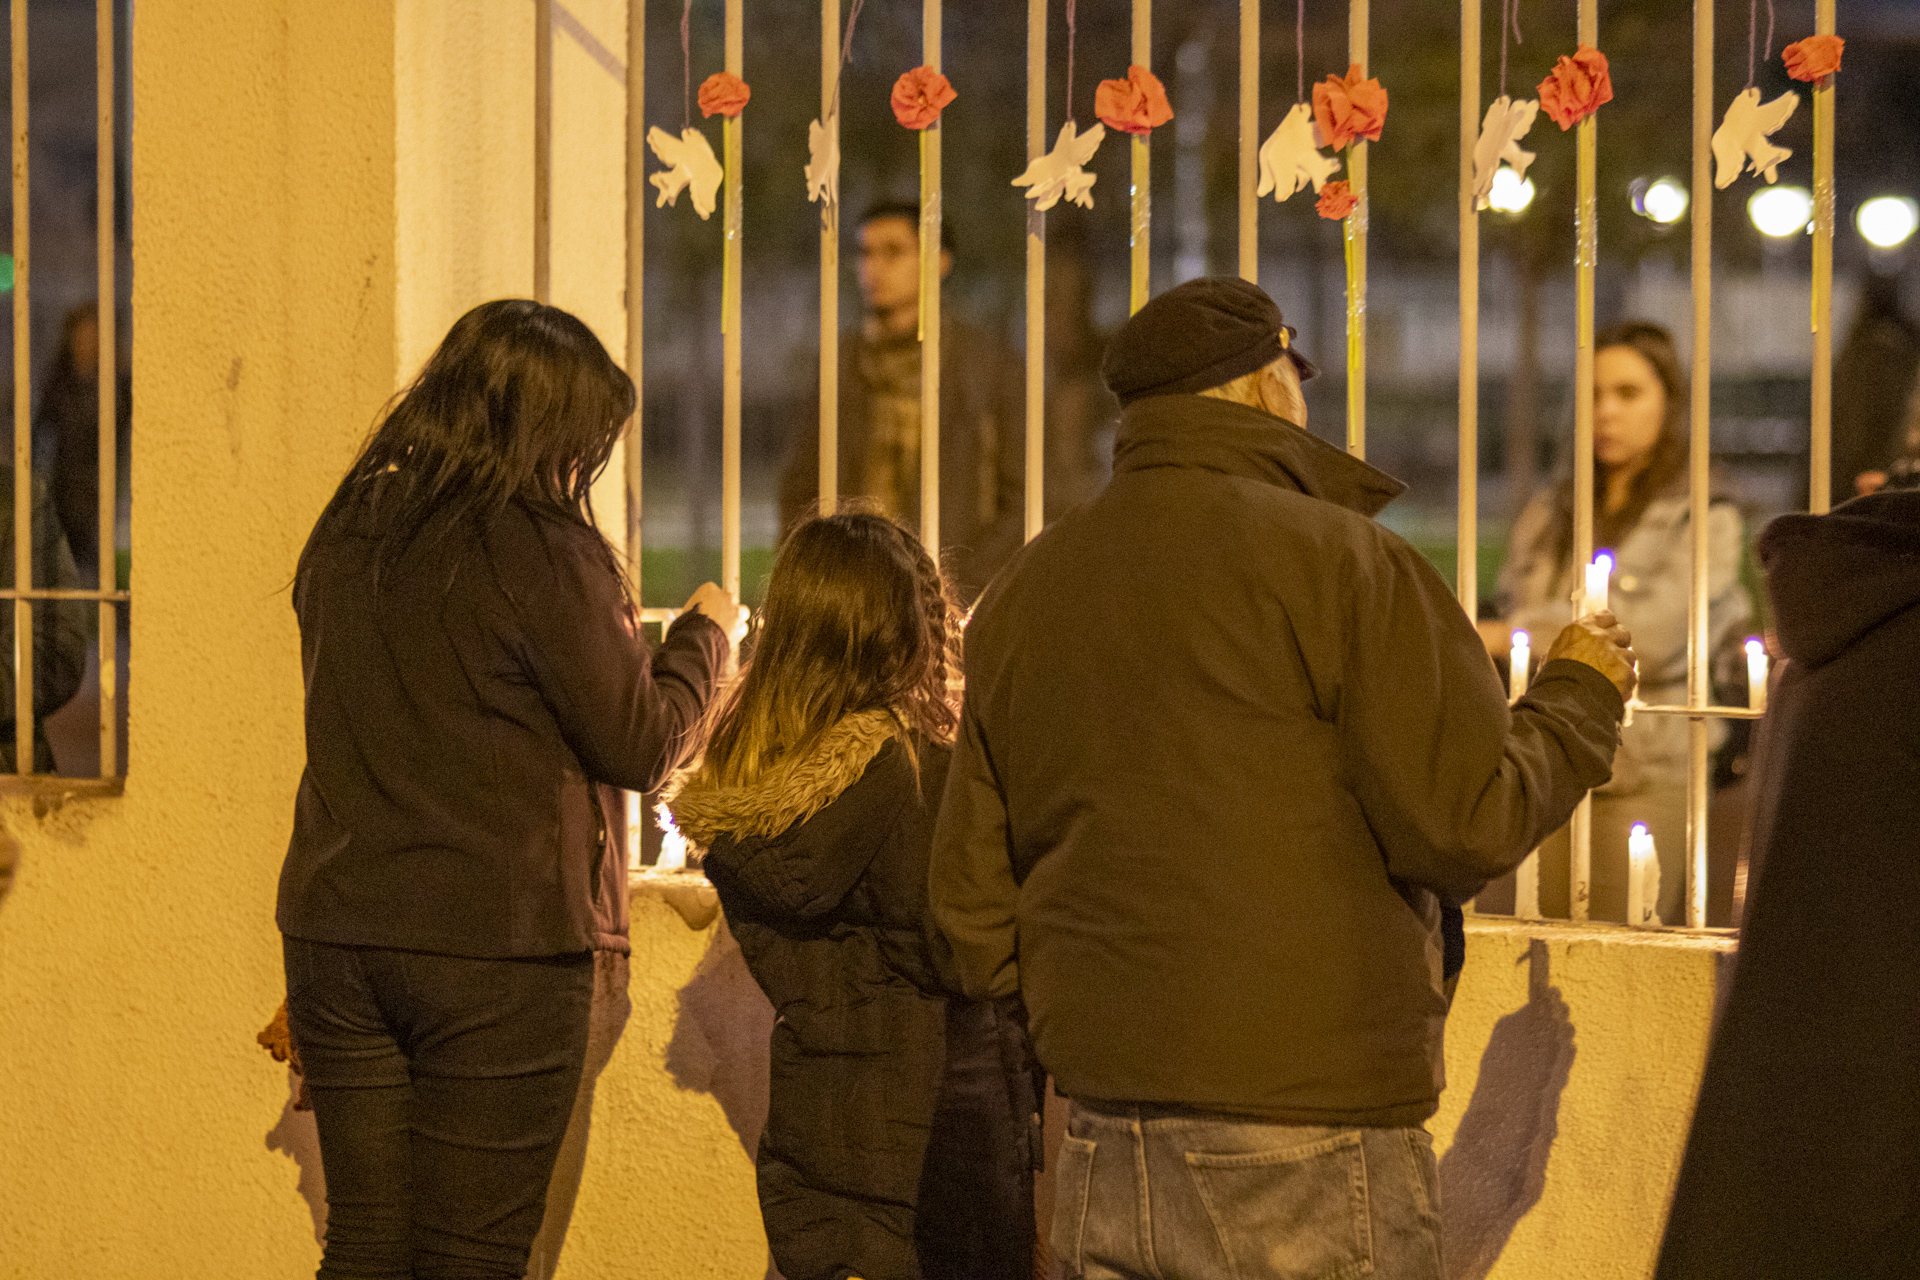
<point x="1598" y="574"/>
<point x="1643" y="878"/>
<point x="1757" y="675"/>
<point x="1518" y="663"/>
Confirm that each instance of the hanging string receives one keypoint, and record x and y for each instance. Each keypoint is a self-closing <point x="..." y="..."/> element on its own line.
<point x="1300" y="50"/>
<point x="1070" y="43"/>
<point x="1753" y="25"/>
<point x="1509" y="21"/>
<point x="846" y="54"/>
<point x="686" y="61"/>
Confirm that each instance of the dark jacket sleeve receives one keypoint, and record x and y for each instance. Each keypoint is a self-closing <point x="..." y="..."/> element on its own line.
<point x="970" y="882"/>
<point x="808" y="871"/>
<point x="628" y="715"/>
<point x="1456" y="787"/>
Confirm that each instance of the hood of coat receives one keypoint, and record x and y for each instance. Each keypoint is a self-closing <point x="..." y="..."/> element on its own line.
<point x="1238" y="440"/>
<point x="1835" y="577"/>
<point x="796" y="788"/>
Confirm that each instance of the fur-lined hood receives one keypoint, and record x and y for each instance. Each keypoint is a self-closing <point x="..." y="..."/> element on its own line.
<point x="795" y="789"/>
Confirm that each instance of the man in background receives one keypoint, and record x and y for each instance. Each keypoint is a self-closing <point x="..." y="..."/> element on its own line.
<point x="982" y="411"/>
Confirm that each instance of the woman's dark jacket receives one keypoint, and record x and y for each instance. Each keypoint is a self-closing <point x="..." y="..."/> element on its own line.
<point x="467" y="709"/>
<point x="892" y="1117"/>
<point x="1804" y="1159"/>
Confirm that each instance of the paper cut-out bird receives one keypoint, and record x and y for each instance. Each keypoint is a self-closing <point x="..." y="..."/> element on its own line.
<point x="690" y="165"/>
<point x="823" y="163"/>
<point x="1289" y="160"/>
<point x="1058" y="173"/>
<point x="1507" y="122"/>
<point x="1742" y="135"/>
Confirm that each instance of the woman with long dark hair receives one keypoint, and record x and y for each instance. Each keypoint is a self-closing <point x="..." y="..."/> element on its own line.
<point x="1642" y="518"/>
<point x="898" y="1136"/>
<point x="476" y="685"/>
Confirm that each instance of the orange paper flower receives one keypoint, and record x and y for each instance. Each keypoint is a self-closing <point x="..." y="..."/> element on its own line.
<point x="1577" y="87"/>
<point x="1136" y="105"/>
<point x="1814" y="58"/>
<point x="1347" y="109"/>
<point x="920" y="96"/>
<point x="1336" y="198"/>
<point x="725" y="93"/>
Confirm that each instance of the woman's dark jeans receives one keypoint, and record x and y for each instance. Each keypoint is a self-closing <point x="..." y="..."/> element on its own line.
<point x="442" y="1087"/>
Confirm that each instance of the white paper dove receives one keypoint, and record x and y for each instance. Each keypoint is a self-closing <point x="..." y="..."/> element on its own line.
<point x="1507" y="122"/>
<point x="690" y="165"/>
<point x="1743" y="136"/>
<point x="1289" y="160"/>
<point x="823" y="163"/>
<point x="1058" y="173"/>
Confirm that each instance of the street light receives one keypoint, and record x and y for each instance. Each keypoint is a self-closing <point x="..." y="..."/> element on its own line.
<point x="1662" y="200"/>
<point x="1511" y="193"/>
<point x="1780" y="211"/>
<point x="1886" y="222"/>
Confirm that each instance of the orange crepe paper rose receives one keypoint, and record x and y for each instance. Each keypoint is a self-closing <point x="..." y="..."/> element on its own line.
<point x="1814" y="58"/>
<point x="725" y="93"/>
<point x="1136" y="105"/>
<point x="1336" y="200"/>
<point x="1577" y="87"/>
<point x="920" y="96"/>
<point x="1347" y="109"/>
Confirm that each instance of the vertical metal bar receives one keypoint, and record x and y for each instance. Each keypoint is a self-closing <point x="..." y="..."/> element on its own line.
<point x="636" y="125"/>
<point x="1820" y="477"/>
<point x="930" y="300"/>
<point x="1356" y="235"/>
<point x="107" y="310"/>
<point x="830" y="263"/>
<point x="1586" y="240"/>
<point x="22" y="412"/>
<point x="1141" y="235"/>
<point x="1036" y="511"/>
<point x="730" y="323"/>
<point x="543" y="150"/>
<point x="1249" y="140"/>
<point x="1467" y="520"/>
<point x="1699" y="673"/>
<point x="636" y="272"/>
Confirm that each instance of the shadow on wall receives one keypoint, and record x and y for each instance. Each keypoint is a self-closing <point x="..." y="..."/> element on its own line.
<point x="1496" y="1169"/>
<point x="295" y="1135"/>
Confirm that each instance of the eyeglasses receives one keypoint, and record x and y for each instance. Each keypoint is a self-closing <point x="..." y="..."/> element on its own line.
<point x="1306" y="368"/>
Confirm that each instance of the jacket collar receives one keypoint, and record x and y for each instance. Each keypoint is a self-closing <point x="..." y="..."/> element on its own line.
<point x="798" y="787"/>
<point x="1236" y="440"/>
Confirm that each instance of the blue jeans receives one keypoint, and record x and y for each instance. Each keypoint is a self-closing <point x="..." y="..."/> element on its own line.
<point x="1146" y="1193"/>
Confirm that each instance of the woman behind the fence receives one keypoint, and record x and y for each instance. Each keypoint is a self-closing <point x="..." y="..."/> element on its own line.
<point x="897" y="1142"/>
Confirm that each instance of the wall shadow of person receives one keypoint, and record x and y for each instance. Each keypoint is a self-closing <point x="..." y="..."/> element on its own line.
<point x="1496" y="1169"/>
<point x="722" y="1038"/>
<point x="295" y="1135"/>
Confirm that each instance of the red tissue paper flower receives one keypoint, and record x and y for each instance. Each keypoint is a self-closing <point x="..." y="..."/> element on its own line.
<point x="725" y="93"/>
<point x="1347" y="109"/>
<point x="1577" y="87"/>
<point x="1814" y="58"/>
<point x="1336" y="200"/>
<point x="920" y="96"/>
<point x="1136" y="105"/>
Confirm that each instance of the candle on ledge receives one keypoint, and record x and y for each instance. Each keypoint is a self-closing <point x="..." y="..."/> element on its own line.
<point x="1598" y="574"/>
<point x="1643" y="878"/>
<point x="1757" y="675"/>
<point x="1520" y="659"/>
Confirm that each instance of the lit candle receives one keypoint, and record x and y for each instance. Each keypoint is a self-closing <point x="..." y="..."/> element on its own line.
<point x="1643" y="878"/>
<point x="1521" y="658"/>
<point x="1597" y="575"/>
<point x="1757" y="675"/>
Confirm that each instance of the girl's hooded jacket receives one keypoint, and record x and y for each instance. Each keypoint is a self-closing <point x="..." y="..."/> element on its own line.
<point x="822" y="870"/>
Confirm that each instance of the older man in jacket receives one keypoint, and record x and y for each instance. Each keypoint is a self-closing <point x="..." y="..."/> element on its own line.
<point x="1227" y="746"/>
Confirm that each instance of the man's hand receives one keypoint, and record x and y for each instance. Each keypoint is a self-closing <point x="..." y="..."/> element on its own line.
<point x="722" y="608"/>
<point x="1603" y="644"/>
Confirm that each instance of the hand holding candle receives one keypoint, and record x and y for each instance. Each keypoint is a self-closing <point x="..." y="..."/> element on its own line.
<point x="1757" y="675"/>
<point x="1519" y="659"/>
<point x="1603" y="644"/>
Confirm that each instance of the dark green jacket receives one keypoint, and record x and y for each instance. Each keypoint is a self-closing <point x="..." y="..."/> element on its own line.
<point x="1225" y="739"/>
